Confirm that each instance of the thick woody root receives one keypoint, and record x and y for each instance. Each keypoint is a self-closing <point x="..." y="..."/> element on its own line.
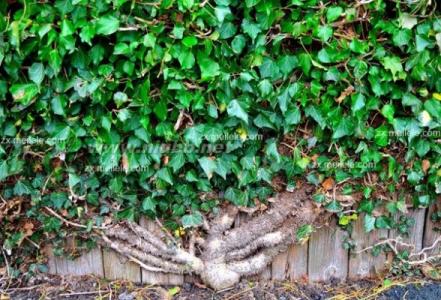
<point x="227" y="253"/>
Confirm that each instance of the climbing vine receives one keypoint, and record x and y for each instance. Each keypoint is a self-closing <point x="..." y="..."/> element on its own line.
<point x="116" y="109"/>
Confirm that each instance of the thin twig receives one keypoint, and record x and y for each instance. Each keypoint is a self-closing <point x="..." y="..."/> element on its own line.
<point x="169" y="235"/>
<point x="3" y="199"/>
<point x="81" y="293"/>
<point x="73" y="224"/>
<point x="179" y="120"/>
<point x="43" y="189"/>
<point x="7" y="269"/>
<point x="394" y="243"/>
<point x="32" y="243"/>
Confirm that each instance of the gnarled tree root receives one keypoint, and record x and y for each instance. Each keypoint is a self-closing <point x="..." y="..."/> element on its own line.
<point x="226" y="253"/>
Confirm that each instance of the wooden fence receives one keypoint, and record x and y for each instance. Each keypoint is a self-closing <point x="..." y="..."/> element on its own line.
<point x="322" y="258"/>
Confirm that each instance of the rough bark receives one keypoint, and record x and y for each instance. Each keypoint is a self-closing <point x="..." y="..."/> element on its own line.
<point x="226" y="253"/>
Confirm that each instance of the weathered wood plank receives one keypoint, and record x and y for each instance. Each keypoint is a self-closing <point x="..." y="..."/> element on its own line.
<point x="51" y="259"/>
<point x="298" y="262"/>
<point x="327" y="257"/>
<point x="154" y="277"/>
<point x="279" y="266"/>
<point x="430" y="235"/>
<point x="87" y="264"/>
<point x="116" y="267"/>
<point x="364" y="264"/>
<point x="416" y="232"/>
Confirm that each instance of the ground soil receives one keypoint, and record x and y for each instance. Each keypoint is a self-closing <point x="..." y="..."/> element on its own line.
<point x="87" y="287"/>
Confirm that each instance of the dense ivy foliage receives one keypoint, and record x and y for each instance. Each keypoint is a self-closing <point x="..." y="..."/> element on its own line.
<point x="123" y="108"/>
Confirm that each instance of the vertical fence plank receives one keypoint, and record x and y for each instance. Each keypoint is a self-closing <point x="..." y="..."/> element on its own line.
<point x="51" y="259"/>
<point x="116" y="268"/>
<point x="327" y="258"/>
<point x="87" y="264"/>
<point x="279" y="266"/>
<point x="416" y="232"/>
<point x="430" y="235"/>
<point x="298" y="262"/>
<point x="364" y="264"/>
<point x="155" y="277"/>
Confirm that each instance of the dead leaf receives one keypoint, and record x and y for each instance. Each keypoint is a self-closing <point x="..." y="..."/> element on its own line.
<point x="347" y="92"/>
<point x="425" y="165"/>
<point x="28" y="228"/>
<point x="125" y="162"/>
<point x="328" y="184"/>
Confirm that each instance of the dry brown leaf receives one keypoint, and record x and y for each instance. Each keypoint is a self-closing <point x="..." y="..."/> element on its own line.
<point x="328" y="183"/>
<point x="347" y="92"/>
<point x="28" y="228"/>
<point x="125" y="162"/>
<point x="425" y="165"/>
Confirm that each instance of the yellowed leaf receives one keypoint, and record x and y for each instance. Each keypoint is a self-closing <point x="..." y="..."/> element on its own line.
<point x="437" y="96"/>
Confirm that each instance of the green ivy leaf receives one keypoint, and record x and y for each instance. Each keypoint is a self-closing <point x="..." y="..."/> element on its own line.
<point x="36" y="73"/>
<point x="208" y="165"/>
<point x="192" y="220"/>
<point x="55" y="61"/>
<point x="165" y="175"/>
<point x="149" y="204"/>
<point x="382" y="136"/>
<point x="24" y="93"/>
<point x="325" y="33"/>
<point x="369" y="223"/>
<point x="73" y="180"/>
<point x="106" y="25"/>
<point x="344" y="127"/>
<point x="393" y="64"/>
<point x="67" y="28"/>
<point x="388" y="111"/>
<point x="234" y="109"/>
<point x="238" y="43"/>
<point x="3" y="170"/>
<point x="333" y="13"/>
<point x="334" y="206"/>
<point x="209" y="68"/>
<point x="177" y="162"/>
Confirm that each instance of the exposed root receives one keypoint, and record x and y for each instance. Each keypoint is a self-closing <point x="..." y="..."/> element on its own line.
<point x="226" y="253"/>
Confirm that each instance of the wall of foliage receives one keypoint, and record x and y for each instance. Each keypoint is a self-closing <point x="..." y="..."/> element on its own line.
<point x="115" y="109"/>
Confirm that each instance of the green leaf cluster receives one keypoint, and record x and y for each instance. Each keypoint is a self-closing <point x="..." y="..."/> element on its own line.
<point x="153" y="109"/>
